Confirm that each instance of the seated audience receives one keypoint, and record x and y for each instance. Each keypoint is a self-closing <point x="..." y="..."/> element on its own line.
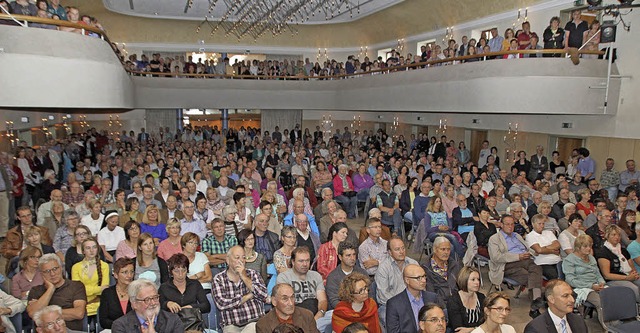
<point x="94" y="274"/>
<point x="432" y="319"/>
<point x="373" y="249"/>
<point x="216" y="246"/>
<point x="355" y="305"/>
<point x="29" y="275"/>
<point x="347" y="254"/>
<point x="613" y="261"/>
<point x="265" y="241"/>
<point x="110" y="236"/>
<point x="75" y="253"/>
<point x="180" y="291"/>
<point x="64" y="235"/>
<point x="282" y="256"/>
<point x="497" y="307"/>
<point x="328" y="253"/>
<point x="568" y="235"/>
<point x="253" y="259"/>
<point x="545" y="246"/>
<point x="559" y="295"/>
<point x="114" y="302"/>
<point x="152" y="225"/>
<point x="171" y="245"/>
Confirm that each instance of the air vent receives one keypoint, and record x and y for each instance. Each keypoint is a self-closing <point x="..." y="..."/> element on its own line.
<point x="475" y="121"/>
<point x="567" y="125"/>
<point x="419" y="118"/>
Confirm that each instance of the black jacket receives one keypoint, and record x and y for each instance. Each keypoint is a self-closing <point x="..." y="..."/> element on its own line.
<point x="110" y="309"/>
<point x="545" y="324"/>
<point x="193" y="295"/>
<point x="457" y="312"/>
<point x="166" y="322"/>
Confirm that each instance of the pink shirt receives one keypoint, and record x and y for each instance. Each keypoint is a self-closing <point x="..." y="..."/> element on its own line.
<point x="166" y="249"/>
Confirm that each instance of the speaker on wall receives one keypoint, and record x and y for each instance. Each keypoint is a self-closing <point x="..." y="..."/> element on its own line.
<point x="608" y="32"/>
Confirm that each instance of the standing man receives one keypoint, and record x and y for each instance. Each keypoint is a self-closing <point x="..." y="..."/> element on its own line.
<point x="629" y="177"/>
<point x="610" y="179"/>
<point x="559" y="316"/>
<point x="539" y="164"/>
<point x="146" y="317"/>
<point x="239" y="294"/>
<point x="6" y="193"/>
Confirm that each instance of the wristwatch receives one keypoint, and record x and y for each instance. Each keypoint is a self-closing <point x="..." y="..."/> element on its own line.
<point x="322" y="311"/>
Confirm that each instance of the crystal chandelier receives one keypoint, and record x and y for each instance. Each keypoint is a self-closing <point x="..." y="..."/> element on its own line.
<point x="256" y="18"/>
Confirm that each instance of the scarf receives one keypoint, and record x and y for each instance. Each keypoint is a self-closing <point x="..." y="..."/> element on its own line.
<point x="617" y="250"/>
<point x="343" y="315"/>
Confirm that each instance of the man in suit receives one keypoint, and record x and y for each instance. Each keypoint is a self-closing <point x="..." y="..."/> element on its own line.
<point x="559" y="316"/>
<point x="143" y="136"/>
<point x="146" y="315"/>
<point x="119" y="178"/>
<point x="295" y="134"/>
<point x="402" y="317"/>
<point x="172" y="209"/>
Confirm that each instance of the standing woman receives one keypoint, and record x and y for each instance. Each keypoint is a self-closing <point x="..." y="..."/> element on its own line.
<point x="115" y="301"/>
<point x="94" y="274"/>
<point x="171" y="245"/>
<point x="553" y="37"/>
<point x="556" y="165"/>
<point x="328" y="252"/>
<point x="497" y="308"/>
<point x="463" y="153"/>
<point x="452" y="151"/>
<point x="465" y="307"/>
<point x="148" y="265"/>
<point x="127" y="248"/>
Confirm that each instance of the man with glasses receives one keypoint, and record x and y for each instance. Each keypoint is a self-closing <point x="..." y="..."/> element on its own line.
<point x="389" y="276"/>
<point x="56" y="290"/>
<point x="433" y="319"/>
<point x="374" y="248"/>
<point x="49" y="320"/>
<point x="239" y="294"/>
<point x="15" y="241"/>
<point x="146" y="317"/>
<point x="402" y="311"/>
<point x="285" y="310"/>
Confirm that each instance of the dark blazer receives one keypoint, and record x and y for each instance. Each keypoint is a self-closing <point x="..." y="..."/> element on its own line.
<point x="164" y="215"/>
<point x="400" y="317"/>
<point x="124" y="180"/>
<point x="544" y="324"/>
<point x="405" y="200"/>
<point x="167" y="322"/>
<point x="110" y="309"/>
<point x="457" y="312"/>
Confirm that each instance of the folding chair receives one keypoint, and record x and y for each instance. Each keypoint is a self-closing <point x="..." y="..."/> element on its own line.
<point x="619" y="309"/>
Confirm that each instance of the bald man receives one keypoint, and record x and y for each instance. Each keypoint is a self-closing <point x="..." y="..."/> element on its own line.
<point x="44" y="210"/>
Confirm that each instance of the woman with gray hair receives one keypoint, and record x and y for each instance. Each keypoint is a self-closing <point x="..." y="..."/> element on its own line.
<point x="298" y="193"/>
<point x="64" y="235"/>
<point x="568" y="209"/>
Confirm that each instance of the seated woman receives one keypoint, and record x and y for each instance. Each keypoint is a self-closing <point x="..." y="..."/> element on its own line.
<point x="464" y="307"/>
<point x="584" y="206"/>
<point x="171" y="245"/>
<point x="115" y="301"/>
<point x="582" y="273"/>
<point x="181" y="292"/>
<point x="282" y="256"/>
<point x="568" y="209"/>
<point x="132" y="213"/>
<point x="546" y="247"/>
<point x="328" y="252"/>
<point x="33" y="237"/>
<point x="497" y="308"/>
<point x="298" y="193"/>
<point x="483" y="230"/>
<point x="550" y="223"/>
<point x="127" y="248"/>
<point x="199" y="268"/>
<point x="152" y="225"/>
<point x="214" y="202"/>
<point x="355" y="305"/>
<point x="436" y="223"/>
<point x="64" y="235"/>
<point x="75" y="253"/>
<point x="568" y="236"/>
<point x="95" y="218"/>
<point x="94" y="274"/>
<point x="148" y="265"/>
<point x="613" y="260"/>
<point x="253" y="259"/>
<point x="442" y="269"/>
<point x="29" y="275"/>
<point x="110" y="235"/>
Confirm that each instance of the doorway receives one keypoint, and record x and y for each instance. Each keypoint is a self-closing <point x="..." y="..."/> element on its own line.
<point x="564" y="146"/>
<point x="477" y="137"/>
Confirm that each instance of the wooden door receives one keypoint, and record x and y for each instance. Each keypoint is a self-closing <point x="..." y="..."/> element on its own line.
<point x="566" y="145"/>
<point x="477" y="137"/>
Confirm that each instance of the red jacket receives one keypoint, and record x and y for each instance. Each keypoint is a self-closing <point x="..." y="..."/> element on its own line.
<point x="338" y="189"/>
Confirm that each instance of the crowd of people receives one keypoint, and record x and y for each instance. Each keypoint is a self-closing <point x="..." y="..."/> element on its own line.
<point x="222" y="226"/>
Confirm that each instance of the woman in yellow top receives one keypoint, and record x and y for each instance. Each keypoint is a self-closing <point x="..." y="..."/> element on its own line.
<point x="94" y="274"/>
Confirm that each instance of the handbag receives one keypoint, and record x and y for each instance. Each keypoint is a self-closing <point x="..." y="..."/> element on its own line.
<point x="191" y="319"/>
<point x="350" y="194"/>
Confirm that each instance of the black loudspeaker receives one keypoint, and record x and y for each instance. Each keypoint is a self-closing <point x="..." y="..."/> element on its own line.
<point x="608" y="32"/>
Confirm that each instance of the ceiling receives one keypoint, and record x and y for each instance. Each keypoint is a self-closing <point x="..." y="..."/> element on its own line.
<point x="350" y="11"/>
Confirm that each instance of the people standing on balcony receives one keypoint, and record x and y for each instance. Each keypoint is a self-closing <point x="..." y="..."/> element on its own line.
<point x="575" y="29"/>
<point x="554" y="37"/>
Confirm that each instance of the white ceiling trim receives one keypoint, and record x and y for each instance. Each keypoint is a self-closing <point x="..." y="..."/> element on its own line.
<point x="342" y="18"/>
<point x="242" y="48"/>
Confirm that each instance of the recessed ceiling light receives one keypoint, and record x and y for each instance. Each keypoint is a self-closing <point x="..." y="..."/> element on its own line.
<point x="156" y="13"/>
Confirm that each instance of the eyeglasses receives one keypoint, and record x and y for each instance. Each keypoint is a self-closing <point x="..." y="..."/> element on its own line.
<point x="361" y="291"/>
<point x="81" y="233"/>
<point x="58" y="322"/>
<point x="52" y="270"/>
<point x="149" y="300"/>
<point x="421" y="277"/>
<point x="190" y="207"/>
<point x="500" y="309"/>
<point x="435" y="320"/>
<point x="193" y="243"/>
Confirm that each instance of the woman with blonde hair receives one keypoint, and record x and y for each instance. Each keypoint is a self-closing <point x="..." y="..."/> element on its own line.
<point x="171" y="245"/>
<point x="550" y="223"/>
<point x="152" y="225"/>
<point x="33" y="237"/>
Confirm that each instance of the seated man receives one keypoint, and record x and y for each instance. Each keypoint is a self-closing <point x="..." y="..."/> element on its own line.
<point x="344" y="191"/>
<point x="44" y="210"/>
<point x="439" y="262"/>
<point x="559" y="296"/>
<point x="56" y="290"/>
<point x="388" y="203"/>
<point x="348" y="254"/>
<point x="239" y="294"/>
<point x="298" y="208"/>
<point x="308" y="287"/>
<point x="146" y="315"/>
<point x="309" y="193"/>
<point x="337" y="216"/>
<point x="190" y="222"/>
<point x="285" y="311"/>
<point x="217" y="245"/>
<point x="510" y="258"/>
<point x="374" y="249"/>
<point x="386" y="232"/>
<point x="389" y="278"/>
<point x="266" y="242"/>
<point x="14" y="242"/>
<point x="402" y="309"/>
<point x="305" y="237"/>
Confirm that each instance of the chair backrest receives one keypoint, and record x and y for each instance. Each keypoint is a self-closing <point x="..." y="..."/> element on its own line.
<point x="618" y="303"/>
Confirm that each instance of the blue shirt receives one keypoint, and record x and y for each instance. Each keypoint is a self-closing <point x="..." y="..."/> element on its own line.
<point x="634" y="252"/>
<point x="587" y="166"/>
<point x="288" y="220"/>
<point x="495" y="44"/>
<point x="513" y="243"/>
<point x="416" y="305"/>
